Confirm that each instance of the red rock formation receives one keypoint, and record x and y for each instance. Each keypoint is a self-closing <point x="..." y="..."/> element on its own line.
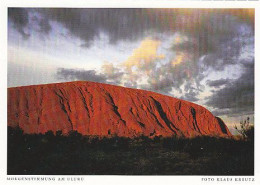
<point x="103" y="110"/>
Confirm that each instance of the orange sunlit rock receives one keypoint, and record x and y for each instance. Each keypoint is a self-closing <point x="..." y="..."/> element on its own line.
<point x="106" y="110"/>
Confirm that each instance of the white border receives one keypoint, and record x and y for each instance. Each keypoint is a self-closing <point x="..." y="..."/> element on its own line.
<point x="126" y="180"/>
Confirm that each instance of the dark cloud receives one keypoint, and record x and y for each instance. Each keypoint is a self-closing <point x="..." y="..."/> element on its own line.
<point x="130" y="24"/>
<point x="110" y="74"/>
<point x="191" y="95"/>
<point x="24" y="20"/>
<point x="44" y="25"/>
<point x="217" y="83"/>
<point x="20" y="19"/>
<point x="163" y="85"/>
<point x="238" y="96"/>
<point x="80" y="74"/>
<point x="87" y="24"/>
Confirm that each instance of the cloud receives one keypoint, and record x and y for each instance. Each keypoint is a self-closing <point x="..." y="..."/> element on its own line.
<point x="80" y="74"/>
<point x="191" y="90"/>
<point x="112" y="73"/>
<point x="161" y="74"/>
<point x="87" y="24"/>
<point x="26" y="20"/>
<point x="159" y="83"/>
<point x="178" y="59"/>
<point x="190" y="96"/>
<point x="144" y="55"/>
<point x="109" y="74"/>
<point x="237" y="97"/>
<point x="20" y="19"/>
<point x="44" y="25"/>
<point x="217" y="83"/>
<point x="133" y="24"/>
<point x="217" y="35"/>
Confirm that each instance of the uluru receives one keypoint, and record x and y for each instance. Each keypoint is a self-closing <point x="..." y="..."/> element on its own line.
<point x="97" y="109"/>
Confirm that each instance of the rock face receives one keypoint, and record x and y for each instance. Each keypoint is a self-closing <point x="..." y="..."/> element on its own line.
<point x="106" y="110"/>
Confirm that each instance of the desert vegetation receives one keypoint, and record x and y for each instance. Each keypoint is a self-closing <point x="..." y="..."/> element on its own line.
<point x="54" y="154"/>
<point x="245" y="129"/>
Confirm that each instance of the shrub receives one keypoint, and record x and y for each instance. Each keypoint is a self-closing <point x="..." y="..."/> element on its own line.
<point x="246" y="130"/>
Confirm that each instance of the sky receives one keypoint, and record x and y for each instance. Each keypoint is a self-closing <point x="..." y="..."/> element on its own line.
<point x="205" y="56"/>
